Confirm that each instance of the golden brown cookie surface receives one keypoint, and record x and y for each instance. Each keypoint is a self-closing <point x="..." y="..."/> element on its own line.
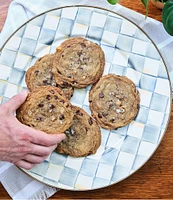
<point x="40" y="74"/>
<point x="46" y="109"/>
<point x="83" y="137"/>
<point x="114" y="101"/>
<point x="78" y="62"/>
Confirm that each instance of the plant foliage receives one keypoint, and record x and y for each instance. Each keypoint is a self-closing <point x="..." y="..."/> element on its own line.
<point x="145" y="3"/>
<point x="167" y="16"/>
<point x="167" y="13"/>
<point x="113" y="2"/>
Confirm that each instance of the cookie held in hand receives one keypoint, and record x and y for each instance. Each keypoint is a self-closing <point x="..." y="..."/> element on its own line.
<point x="46" y="109"/>
<point x="114" y="101"/>
<point x="78" y="62"/>
<point x="83" y="137"/>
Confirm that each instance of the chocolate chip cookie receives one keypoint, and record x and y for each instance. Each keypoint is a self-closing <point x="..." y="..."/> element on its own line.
<point x="47" y="109"/>
<point x="78" y="62"/>
<point x="41" y="75"/>
<point x="114" y="101"/>
<point x="83" y="137"/>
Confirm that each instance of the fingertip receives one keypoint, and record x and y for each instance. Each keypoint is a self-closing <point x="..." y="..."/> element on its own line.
<point x="54" y="147"/>
<point x="24" y="164"/>
<point x="63" y="136"/>
<point x="24" y="92"/>
<point x="59" y="137"/>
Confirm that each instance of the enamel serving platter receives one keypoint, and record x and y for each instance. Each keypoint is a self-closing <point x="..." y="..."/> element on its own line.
<point x="129" y="52"/>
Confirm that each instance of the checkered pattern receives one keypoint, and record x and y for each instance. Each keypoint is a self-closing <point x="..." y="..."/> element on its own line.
<point x="128" y="52"/>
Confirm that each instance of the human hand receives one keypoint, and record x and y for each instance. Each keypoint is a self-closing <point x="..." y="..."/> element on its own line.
<point x="20" y="144"/>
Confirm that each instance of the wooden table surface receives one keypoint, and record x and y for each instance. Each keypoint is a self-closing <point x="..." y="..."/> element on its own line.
<point x="155" y="178"/>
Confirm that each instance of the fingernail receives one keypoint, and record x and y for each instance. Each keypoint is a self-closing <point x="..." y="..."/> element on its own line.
<point x="63" y="136"/>
<point x="24" y="92"/>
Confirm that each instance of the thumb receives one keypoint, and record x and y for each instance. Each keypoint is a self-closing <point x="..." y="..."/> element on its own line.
<point x="15" y="102"/>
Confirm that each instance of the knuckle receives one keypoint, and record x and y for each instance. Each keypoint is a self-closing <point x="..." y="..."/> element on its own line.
<point x="46" y="152"/>
<point x="47" y="142"/>
<point x="29" y="166"/>
<point x="17" y="164"/>
<point x="25" y="165"/>
<point x="25" y="137"/>
<point x="39" y="160"/>
<point x="24" y="149"/>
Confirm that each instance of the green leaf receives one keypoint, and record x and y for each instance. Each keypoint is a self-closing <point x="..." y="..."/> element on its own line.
<point x="113" y="2"/>
<point x="145" y="3"/>
<point x="167" y="16"/>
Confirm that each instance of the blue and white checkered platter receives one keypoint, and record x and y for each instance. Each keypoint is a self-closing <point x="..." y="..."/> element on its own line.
<point x="128" y="51"/>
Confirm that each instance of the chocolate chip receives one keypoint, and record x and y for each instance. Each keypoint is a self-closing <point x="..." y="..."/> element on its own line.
<point x="90" y="121"/>
<point x="77" y="137"/>
<point x="110" y="105"/>
<point x="62" y="55"/>
<point x="69" y="76"/>
<point x="58" y="71"/>
<point x="45" y="81"/>
<point x="112" y="120"/>
<point x="83" y="45"/>
<point x="52" y="91"/>
<point x="79" y="53"/>
<point x="64" y="84"/>
<point x="79" y="62"/>
<point x="99" y="115"/>
<point x="55" y="97"/>
<point x="79" y="113"/>
<point x="74" y="82"/>
<point x="86" y="129"/>
<point x="39" y="119"/>
<point x="40" y="105"/>
<point x="138" y="106"/>
<point x="62" y="101"/>
<point x="81" y="68"/>
<point x="36" y="72"/>
<point x="101" y="95"/>
<point x="48" y="97"/>
<point x="67" y="105"/>
<point x="105" y="114"/>
<point x="61" y="117"/>
<point x="51" y="106"/>
<point x="51" y="78"/>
